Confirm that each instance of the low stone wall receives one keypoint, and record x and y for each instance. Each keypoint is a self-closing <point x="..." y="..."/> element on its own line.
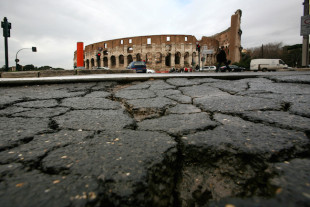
<point x="90" y="72"/>
<point x="53" y="73"/>
<point x="21" y="74"/>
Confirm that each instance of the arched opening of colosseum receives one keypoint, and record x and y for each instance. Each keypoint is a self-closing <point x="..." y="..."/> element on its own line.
<point x="121" y="60"/>
<point x="138" y="57"/>
<point x="105" y="62"/>
<point x="177" y="59"/>
<point x="87" y="64"/>
<point x="113" y="61"/>
<point x="92" y="63"/>
<point x="186" y="60"/>
<point x="168" y="60"/>
<point x="105" y="52"/>
<point x="129" y="59"/>
<point x="129" y="50"/>
<point x="148" y="58"/>
<point x="194" y="59"/>
<point x="158" y="58"/>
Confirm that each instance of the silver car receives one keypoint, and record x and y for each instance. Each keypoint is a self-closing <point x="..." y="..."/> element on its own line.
<point x="208" y="68"/>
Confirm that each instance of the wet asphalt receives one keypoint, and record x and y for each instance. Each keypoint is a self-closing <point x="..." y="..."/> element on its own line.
<point x="195" y="140"/>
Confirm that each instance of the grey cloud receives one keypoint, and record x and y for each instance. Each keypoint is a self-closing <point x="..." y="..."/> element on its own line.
<point x="55" y="26"/>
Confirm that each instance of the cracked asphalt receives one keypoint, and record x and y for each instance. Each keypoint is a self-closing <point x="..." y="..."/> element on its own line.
<point x="174" y="142"/>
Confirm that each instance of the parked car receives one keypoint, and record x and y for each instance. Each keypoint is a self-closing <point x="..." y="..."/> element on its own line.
<point x="208" y="68"/>
<point x="138" y="66"/>
<point x="150" y="71"/>
<point x="233" y="68"/>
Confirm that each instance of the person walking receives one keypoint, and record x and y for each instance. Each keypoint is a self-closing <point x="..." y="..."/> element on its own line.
<point x="221" y="58"/>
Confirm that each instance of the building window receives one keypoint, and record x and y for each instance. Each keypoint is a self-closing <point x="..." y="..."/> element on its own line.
<point x="129" y="50"/>
<point x="122" y="42"/>
<point x="149" y="41"/>
<point x="105" y="45"/>
<point x="185" y="39"/>
<point x="168" y="39"/>
<point x="130" y="41"/>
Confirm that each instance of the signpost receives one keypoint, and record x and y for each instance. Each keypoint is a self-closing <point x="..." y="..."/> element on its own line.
<point x="305" y="31"/>
<point x="305" y="25"/>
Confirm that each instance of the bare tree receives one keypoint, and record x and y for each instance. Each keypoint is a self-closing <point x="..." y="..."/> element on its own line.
<point x="270" y="50"/>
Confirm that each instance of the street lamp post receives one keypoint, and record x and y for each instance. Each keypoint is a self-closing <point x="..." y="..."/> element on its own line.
<point x="34" y="49"/>
<point x="6" y="33"/>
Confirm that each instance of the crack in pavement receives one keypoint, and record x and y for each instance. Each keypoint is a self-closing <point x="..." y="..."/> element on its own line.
<point x="178" y="142"/>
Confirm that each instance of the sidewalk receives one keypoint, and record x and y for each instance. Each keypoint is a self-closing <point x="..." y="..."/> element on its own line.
<point x="156" y="140"/>
<point x="124" y="77"/>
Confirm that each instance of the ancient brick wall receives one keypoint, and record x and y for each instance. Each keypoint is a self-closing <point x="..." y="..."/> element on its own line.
<point x="162" y="52"/>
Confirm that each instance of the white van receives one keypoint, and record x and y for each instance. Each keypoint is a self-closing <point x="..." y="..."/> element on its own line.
<point x="267" y="64"/>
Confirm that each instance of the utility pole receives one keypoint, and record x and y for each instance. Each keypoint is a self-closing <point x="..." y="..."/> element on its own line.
<point x="305" y="43"/>
<point x="198" y="49"/>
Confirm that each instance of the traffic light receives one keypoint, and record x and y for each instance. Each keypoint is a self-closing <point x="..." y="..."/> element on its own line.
<point x="98" y="56"/>
<point x="34" y="49"/>
<point x="198" y="47"/>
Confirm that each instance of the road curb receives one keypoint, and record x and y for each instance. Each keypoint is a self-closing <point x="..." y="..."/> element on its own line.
<point x="92" y="76"/>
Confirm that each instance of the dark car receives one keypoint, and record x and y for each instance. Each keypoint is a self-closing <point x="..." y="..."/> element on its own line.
<point x="233" y="68"/>
<point x="138" y="66"/>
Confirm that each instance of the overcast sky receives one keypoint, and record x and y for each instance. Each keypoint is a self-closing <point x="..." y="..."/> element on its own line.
<point x="55" y="26"/>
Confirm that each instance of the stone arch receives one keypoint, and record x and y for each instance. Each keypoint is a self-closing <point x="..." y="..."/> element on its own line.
<point x="148" y="58"/>
<point x="121" y="60"/>
<point x="138" y="57"/>
<point x="113" y="61"/>
<point x="158" y="58"/>
<point x="168" y="60"/>
<point x="186" y="59"/>
<point x="105" y="62"/>
<point x="129" y="59"/>
<point x="129" y="50"/>
<point x="87" y="64"/>
<point x="177" y="59"/>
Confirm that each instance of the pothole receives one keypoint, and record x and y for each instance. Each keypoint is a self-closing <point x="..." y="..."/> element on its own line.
<point x="286" y="106"/>
<point x="53" y="125"/>
<point x="146" y="113"/>
<point x="222" y="176"/>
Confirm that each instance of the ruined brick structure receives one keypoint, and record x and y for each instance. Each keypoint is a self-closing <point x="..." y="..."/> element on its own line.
<point x="162" y="52"/>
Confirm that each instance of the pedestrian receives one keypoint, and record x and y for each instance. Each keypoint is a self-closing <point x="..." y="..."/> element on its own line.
<point x="197" y="68"/>
<point x="221" y="58"/>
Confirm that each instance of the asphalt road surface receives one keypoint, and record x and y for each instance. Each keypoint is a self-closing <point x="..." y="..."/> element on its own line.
<point x="177" y="141"/>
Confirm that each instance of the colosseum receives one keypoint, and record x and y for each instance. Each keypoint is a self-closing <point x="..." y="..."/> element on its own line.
<point x="162" y="52"/>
